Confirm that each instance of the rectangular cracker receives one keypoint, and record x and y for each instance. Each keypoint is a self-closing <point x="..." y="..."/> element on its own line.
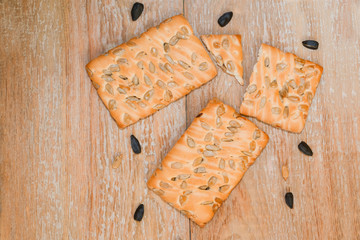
<point x="226" y="51"/>
<point x="145" y="74"/>
<point x="281" y="89"/>
<point x="208" y="161"/>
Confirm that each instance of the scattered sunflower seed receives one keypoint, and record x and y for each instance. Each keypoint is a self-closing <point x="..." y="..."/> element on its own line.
<point x="136" y="10"/>
<point x="289" y="199"/>
<point x="139" y="213"/>
<point x="311" y="44"/>
<point x="305" y="149"/>
<point x="135" y="145"/>
<point x="225" y="19"/>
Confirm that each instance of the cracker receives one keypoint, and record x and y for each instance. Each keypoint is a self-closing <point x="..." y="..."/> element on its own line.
<point x="227" y="52"/>
<point x="281" y="89"/>
<point x="208" y="161"/>
<point x="145" y="74"/>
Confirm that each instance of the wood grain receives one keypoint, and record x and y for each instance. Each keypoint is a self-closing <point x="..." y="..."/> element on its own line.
<point x="57" y="140"/>
<point x="324" y="186"/>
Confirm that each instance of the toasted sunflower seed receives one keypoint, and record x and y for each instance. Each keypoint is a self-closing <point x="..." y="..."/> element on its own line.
<point x="197" y="161"/>
<point x="200" y="170"/>
<point x="251" y="88"/>
<point x="183" y="64"/>
<point x="158" y="191"/>
<point x="133" y="98"/>
<point x="109" y="89"/>
<point x="292" y="84"/>
<point x="233" y="129"/>
<point x="281" y="67"/>
<point x="220" y="110"/>
<point x="299" y="63"/>
<point x="172" y="84"/>
<point x="158" y="106"/>
<point x="208" y="137"/>
<point x="232" y="164"/>
<point x="140" y="65"/>
<point x="294" y="98"/>
<point x="256" y="134"/>
<point x="252" y="146"/>
<point x="151" y="67"/>
<point x="169" y="68"/>
<point x="229" y="134"/>
<point x="207" y="203"/>
<point x="127" y="118"/>
<point x="225" y="177"/>
<point x="121" y="90"/>
<point x="173" y="41"/>
<point x="164" y="185"/>
<point x="208" y="153"/>
<point x="203" y="66"/>
<point x="161" y="84"/>
<point x="303" y="107"/>
<point x="166" y="47"/>
<point x="140" y="55"/>
<point x="107" y="78"/>
<point x="221" y="163"/>
<point x="212" y="147"/>
<point x="154" y="52"/>
<point x="147" y="80"/>
<point x="204" y="187"/>
<point x="234" y="123"/>
<point x="225" y="43"/>
<point x="168" y="95"/>
<point x="96" y="85"/>
<point x="212" y="181"/>
<point x="224" y="188"/>
<point x="188" y="75"/>
<point x="161" y="66"/>
<point x="183" y="185"/>
<point x="274" y="84"/>
<point x="190" y="142"/>
<point x="176" y="165"/>
<point x="230" y="66"/>
<point x="226" y="140"/>
<point x="258" y="94"/>
<point x="112" y="104"/>
<point x="148" y="95"/>
<point x="122" y="61"/>
<point x="118" y="51"/>
<point x="182" y="199"/>
<point x="193" y="58"/>
<point x="276" y="110"/>
<point x="218" y="122"/>
<point x="183" y="176"/>
<point x="267" y="62"/>
<point x="216" y="44"/>
<point x="204" y="125"/>
<point x="286" y="112"/>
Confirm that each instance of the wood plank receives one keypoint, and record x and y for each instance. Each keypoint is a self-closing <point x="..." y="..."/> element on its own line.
<point x="58" y="140"/>
<point x="325" y="185"/>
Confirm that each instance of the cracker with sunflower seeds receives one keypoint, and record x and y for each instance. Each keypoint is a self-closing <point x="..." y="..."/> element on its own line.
<point x="208" y="161"/>
<point x="281" y="89"/>
<point x="227" y="52"/>
<point x="145" y="74"/>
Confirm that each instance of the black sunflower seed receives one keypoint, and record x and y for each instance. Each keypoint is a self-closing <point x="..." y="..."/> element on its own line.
<point x="136" y="11"/>
<point x="225" y="19"/>
<point x="139" y="213"/>
<point x="289" y="199"/>
<point x="199" y="115"/>
<point x="305" y="149"/>
<point x="135" y="145"/>
<point x="311" y="44"/>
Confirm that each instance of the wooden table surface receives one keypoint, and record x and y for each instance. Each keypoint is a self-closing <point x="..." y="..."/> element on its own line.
<point x="58" y="141"/>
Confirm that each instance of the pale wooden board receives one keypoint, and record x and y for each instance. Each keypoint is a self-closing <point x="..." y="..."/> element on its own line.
<point x="57" y="140"/>
<point x="326" y="185"/>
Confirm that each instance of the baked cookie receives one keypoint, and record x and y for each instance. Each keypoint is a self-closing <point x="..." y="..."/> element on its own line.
<point x="281" y="89"/>
<point x="208" y="161"/>
<point x="227" y="52"/>
<point x="145" y="74"/>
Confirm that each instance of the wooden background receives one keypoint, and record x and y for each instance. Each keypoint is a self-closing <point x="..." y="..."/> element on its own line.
<point x="57" y="140"/>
